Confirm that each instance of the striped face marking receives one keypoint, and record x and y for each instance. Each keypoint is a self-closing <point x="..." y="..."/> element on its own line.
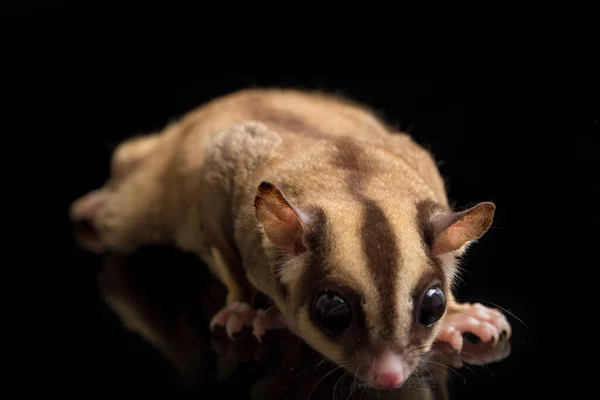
<point x="357" y="270"/>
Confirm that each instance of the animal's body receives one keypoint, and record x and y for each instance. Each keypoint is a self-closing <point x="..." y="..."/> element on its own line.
<point x="315" y="202"/>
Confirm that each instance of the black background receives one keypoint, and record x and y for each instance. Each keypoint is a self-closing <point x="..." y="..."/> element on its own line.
<point x="529" y="146"/>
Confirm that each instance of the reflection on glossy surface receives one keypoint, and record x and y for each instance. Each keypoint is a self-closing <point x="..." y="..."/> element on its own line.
<point x="169" y="301"/>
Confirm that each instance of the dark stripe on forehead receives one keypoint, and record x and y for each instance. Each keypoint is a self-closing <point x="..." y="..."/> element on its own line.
<point x="378" y="238"/>
<point x="318" y="242"/>
<point x="380" y="246"/>
<point x="315" y="266"/>
<point x="425" y="210"/>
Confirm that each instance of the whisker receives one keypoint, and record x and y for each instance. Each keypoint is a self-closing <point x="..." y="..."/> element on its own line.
<point x="315" y="366"/>
<point x="353" y="385"/>
<point x="321" y="380"/>
<point x="340" y="382"/>
<point x="482" y="365"/>
<point x="448" y="368"/>
<point x="270" y="309"/>
<point x="434" y="385"/>
<point x="432" y="380"/>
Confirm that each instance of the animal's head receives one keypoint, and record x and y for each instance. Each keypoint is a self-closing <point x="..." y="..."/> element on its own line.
<point x="366" y="282"/>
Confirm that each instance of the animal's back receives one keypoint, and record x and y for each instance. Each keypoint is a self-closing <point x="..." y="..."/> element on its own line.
<point x="301" y="118"/>
<point x="308" y="123"/>
<point x="308" y="113"/>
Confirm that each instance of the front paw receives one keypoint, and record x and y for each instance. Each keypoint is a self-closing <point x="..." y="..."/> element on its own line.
<point x="474" y="322"/>
<point x="264" y="322"/>
<point x="238" y="315"/>
<point x="233" y="318"/>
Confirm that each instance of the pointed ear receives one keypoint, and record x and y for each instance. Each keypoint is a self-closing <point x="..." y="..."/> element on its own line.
<point x="452" y="230"/>
<point x="281" y="222"/>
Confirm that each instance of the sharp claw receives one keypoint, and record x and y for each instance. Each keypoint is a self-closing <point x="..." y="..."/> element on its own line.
<point x="495" y="334"/>
<point x="506" y="328"/>
<point x="233" y="325"/>
<point x="257" y="335"/>
<point x="257" y="332"/>
<point x="214" y="323"/>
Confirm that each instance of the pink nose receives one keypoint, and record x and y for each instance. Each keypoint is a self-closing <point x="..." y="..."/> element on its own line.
<point x="388" y="370"/>
<point x="389" y="380"/>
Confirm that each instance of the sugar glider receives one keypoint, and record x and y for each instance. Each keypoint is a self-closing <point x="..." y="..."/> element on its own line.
<point x="315" y="202"/>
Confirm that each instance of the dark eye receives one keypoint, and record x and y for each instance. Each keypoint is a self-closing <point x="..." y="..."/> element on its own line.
<point x="432" y="307"/>
<point x="333" y="312"/>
